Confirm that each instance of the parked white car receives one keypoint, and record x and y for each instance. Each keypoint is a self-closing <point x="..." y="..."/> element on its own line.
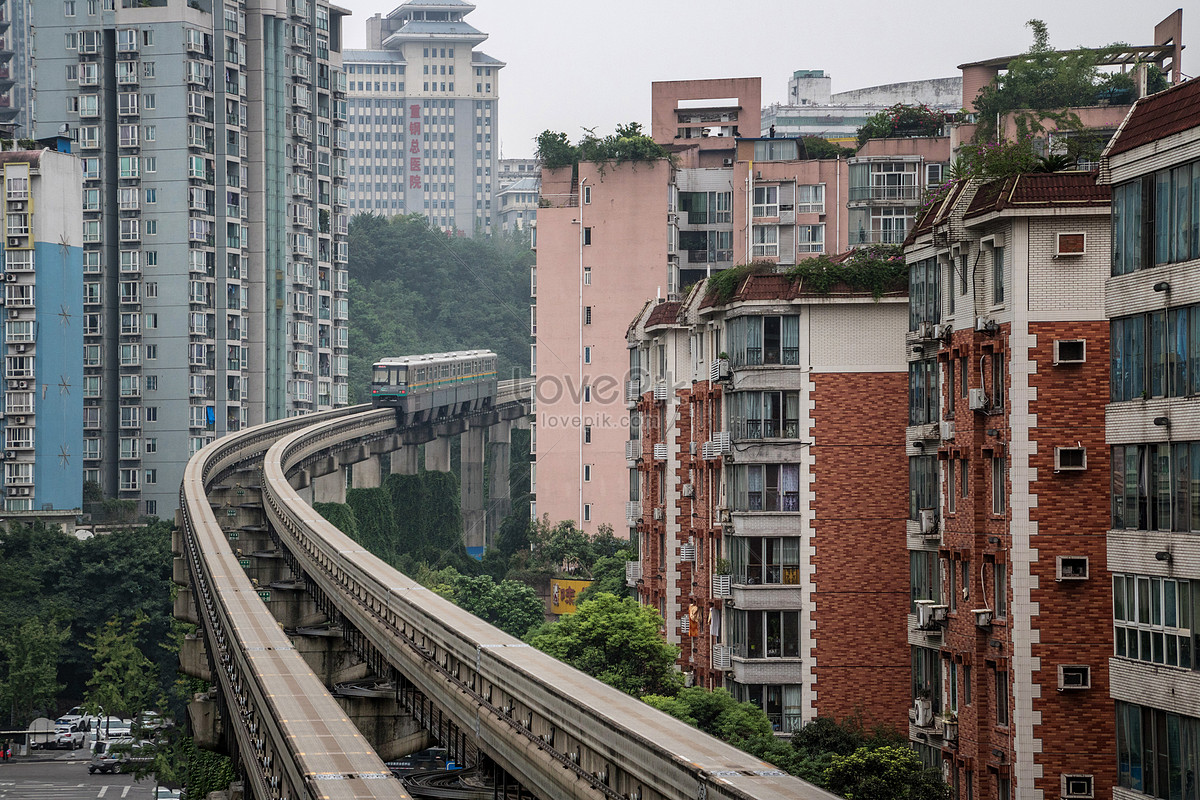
<point x="113" y="728"/>
<point x="67" y="737"/>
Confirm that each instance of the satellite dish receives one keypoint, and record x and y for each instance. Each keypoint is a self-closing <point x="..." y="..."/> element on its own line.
<point x="64" y="128"/>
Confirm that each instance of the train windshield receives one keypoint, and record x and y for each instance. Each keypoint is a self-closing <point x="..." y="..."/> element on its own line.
<point x="379" y="374"/>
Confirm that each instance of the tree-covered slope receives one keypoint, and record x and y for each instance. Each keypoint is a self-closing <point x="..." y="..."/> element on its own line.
<point x="416" y="290"/>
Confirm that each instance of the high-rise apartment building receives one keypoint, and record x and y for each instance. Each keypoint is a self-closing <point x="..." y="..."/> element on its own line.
<point x="424" y="127"/>
<point x="1008" y="354"/>
<point x="43" y="335"/>
<point x="1152" y="301"/>
<point x="14" y="67"/>
<point x="213" y="150"/>
<point x="767" y="479"/>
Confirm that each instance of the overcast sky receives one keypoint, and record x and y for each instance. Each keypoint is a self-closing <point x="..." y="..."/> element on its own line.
<point x="575" y="64"/>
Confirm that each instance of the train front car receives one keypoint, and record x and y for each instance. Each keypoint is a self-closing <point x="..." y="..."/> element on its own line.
<point x="389" y="382"/>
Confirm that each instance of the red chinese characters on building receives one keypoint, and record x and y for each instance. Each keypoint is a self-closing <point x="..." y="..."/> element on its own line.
<point x="414" y="146"/>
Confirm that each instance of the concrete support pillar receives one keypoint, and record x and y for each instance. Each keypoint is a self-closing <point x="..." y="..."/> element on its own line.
<point x="405" y="461"/>
<point x="499" y="455"/>
<point x="366" y="474"/>
<point x="471" y="490"/>
<point x="437" y="454"/>
<point x="329" y="488"/>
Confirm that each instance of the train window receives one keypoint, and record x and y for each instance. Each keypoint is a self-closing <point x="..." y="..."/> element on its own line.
<point x="400" y="375"/>
<point x="420" y="374"/>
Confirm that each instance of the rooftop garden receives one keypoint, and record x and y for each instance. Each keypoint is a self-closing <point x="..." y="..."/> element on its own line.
<point x="877" y="269"/>
<point x="627" y="144"/>
<point x="901" y="121"/>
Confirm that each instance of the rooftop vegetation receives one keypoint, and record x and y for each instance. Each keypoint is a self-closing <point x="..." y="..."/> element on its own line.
<point x="901" y="121"/>
<point x="627" y="144"/>
<point x="877" y="268"/>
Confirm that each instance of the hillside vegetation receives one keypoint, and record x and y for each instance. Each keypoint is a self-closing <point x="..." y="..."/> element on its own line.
<point x="416" y="290"/>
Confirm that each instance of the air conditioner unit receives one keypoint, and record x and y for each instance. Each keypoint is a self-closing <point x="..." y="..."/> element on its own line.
<point x="727" y="162"/>
<point x="10" y="276"/>
<point x="940" y="613"/>
<point x="983" y="617"/>
<point x="20" y="348"/>
<point x="1077" y="787"/>
<point x="950" y="731"/>
<point x="1070" y="351"/>
<point x="977" y="399"/>
<point x="984" y="325"/>
<point x="1068" y="459"/>
<point x="21" y="420"/>
<point x="22" y="384"/>
<point x="925" y="330"/>
<point x="687" y="552"/>
<point x="928" y="521"/>
<point x="10" y="454"/>
<point x="923" y="713"/>
<point x="1074" y="676"/>
<point x="660" y="392"/>
<point x="21" y="491"/>
<point x="16" y="205"/>
<point x="948" y="429"/>
<point x="925" y="614"/>
<point x="725" y="515"/>
<point x="687" y="490"/>
<point x="658" y="513"/>
<point x="1070" y="568"/>
<point x="14" y="241"/>
<point x="14" y="313"/>
<point x="941" y="330"/>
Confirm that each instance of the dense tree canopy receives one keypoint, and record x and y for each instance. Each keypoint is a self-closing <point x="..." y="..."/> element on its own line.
<point x="892" y="772"/>
<point x="417" y="290"/>
<point x="616" y="640"/>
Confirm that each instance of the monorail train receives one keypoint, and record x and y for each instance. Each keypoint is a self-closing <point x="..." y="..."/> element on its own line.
<point x="428" y="387"/>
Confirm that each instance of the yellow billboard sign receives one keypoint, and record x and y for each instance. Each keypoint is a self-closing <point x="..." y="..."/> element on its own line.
<point x="563" y="594"/>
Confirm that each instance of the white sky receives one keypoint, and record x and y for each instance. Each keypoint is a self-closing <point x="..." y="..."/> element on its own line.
<point x="575" y="64"/>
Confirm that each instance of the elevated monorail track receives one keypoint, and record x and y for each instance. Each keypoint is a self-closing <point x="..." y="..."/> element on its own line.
<point x="559" y="732"/>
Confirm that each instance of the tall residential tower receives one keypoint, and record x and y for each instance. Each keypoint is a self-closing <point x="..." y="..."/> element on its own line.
<point x="214" y="221"/>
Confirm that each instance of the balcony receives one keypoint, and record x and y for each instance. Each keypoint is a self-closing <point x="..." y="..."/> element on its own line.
<point x="764" y="597"/>
<point x="885" y="194"/>
<point x="633" y="512"/>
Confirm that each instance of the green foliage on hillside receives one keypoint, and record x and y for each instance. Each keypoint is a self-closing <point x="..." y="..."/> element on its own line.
<point x="417" y="290"/>
<point x="55" y="582"/>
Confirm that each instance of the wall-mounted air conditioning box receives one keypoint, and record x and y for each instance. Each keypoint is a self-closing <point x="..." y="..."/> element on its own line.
<point x="1070" y="459"/>
<point x="1070" y="351"/>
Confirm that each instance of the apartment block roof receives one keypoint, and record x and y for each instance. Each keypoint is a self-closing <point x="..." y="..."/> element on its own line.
<point x="1040" y="190"/>
<point x="1159" y="115"/>
<point x="666" y="313"/>
<point x="780" y="286"/>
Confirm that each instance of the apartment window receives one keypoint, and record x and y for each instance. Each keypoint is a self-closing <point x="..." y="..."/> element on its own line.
<point x="766" y="201"/>
<point x="926" y="665"/>
<point x="925" y="577"/>
<point x="587" y="355"/>
<point x="1157" y="751"/>
<point x="997" y="275"/>
<point x="127" y="103"/>
<point x="587" y="195"/>
<point x="587" y="434"/>
<point x="756" y="340"/>
<point x="88" y="105"/>
<point x="765" y="240"/>
<point x="922" y="485"/>
<point x="126" y="40"/>
<point x="924" y="293"/>
<point x="1155" y="619"/>
<point x="587" y="472"/>
<point x="766" y="487"/>
<point x="1155" y="486"/>
<point x="587" y="315"/>
<point x="923" y="396"/>
<point x="587" y="236"/>
<point x="1001" y="682"/>
<point x="587" y="512"/>
<point x="999" y="490"/>
<point x="810" y="199"/>
<point x="810" y="238"/>
<point x="769" y="415"/>
<point x="1000" y="593"/>
<point x="765" y="560"/>
<point x="68" y="8"/>
<point x="151" y="445"/>
<point x="766" y="634"/>
<point x="587" y="276"/>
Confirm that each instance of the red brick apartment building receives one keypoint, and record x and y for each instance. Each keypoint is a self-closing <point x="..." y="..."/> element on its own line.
<point x="768" y="477"/>
<point x="1008" y="379"/>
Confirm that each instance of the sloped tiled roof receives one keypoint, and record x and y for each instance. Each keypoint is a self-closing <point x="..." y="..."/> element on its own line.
<point x="1159" y="115"/>
<point x="779" y="286"/>
<point x="666" y="313"/>
<point x="1040" y="190"/>
<point x="937" y="212"/>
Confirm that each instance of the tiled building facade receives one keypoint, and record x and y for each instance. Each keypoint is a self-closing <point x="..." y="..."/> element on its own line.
<point x="760" y="467"/>
<point x="1008" y="375"/>
<point x="1152" y="300"/>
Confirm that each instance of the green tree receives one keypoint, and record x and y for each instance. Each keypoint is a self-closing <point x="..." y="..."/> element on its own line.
<point x="29" y="666"/>
<point x="901" y="120"/>
<point x="892" y="772"/>
<point x="616" y="640"/>
<point x="511" y="606"/>
<point x="123" y="682"/>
